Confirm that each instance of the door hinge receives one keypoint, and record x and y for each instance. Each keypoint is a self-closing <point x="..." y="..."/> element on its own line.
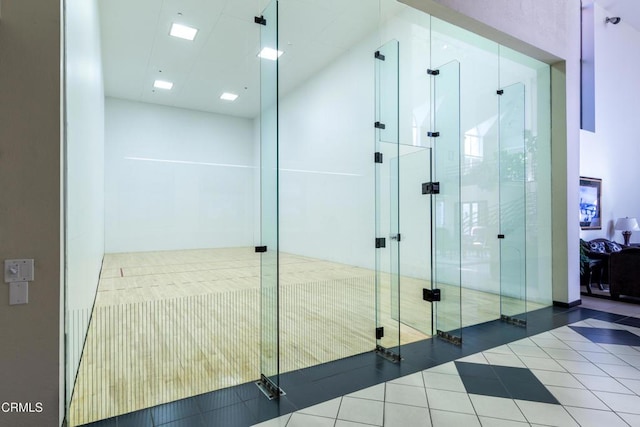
<point x="381" y="242"/>
<point x="500" y="91"/>
<point x="500" y="236"/>
<point x="430" y="188"/>
<point x="379" y="125"/>
<point x="379" y="332"/>
<point x="261" y="249"/>
<point x="433" y="134"/>
<point x="378" y="55"/>
<point x="377" y="157"/>
<point x="260" y="20"/>
<point x="433" y="72"/>
<point x="431" y="295"/>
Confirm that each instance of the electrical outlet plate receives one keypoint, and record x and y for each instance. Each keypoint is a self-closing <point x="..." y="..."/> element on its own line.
<point x="18" y="270"/>
<point x="18" y="293"/>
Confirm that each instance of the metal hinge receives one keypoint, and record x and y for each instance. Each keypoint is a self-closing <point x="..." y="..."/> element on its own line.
<point x="377" y="157"/>
<point x="430" y="188"/>
<point x="378" y="55"/>
<point x="381" y="242"/>
<point x="513" y="320"/>
<point x="433" y="134"/>
<point x="453" y="339"/>
<point x="379" y="332"/>
<point x="261" y="249"/>
<point x="500" y="236"/>
<point x="260" y="20"/>
<point x="500" y="91"/>
<point x="379" y="125"/>
<point x="433" y="72"/>
<point x="431" y="295"/>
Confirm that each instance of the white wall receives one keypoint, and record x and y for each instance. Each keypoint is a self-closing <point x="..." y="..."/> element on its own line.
<point x="612" y="152"/>
<point x="326" y="163"/>
<point x="84" y="171"/>
<point x="177" y="179"/>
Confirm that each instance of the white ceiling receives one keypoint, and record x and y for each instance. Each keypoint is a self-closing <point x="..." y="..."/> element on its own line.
<point x="137" y="48"/>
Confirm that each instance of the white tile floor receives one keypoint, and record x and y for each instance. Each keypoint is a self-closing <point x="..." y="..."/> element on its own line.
<point x="596" y="384"/>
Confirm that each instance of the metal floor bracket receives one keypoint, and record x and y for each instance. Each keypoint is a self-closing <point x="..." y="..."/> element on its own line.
<point x="513" y="321"/>
<point x="387" y="354"/>
<point x="450" y="338"/>
<point x="269" y="389"/>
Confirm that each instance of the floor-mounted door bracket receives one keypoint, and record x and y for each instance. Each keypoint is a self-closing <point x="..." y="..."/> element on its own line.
<point x="513" y="320"/>
<point x="387" y="354"/>
<point x="453" y="339"/>
<point x="269" y="389"/>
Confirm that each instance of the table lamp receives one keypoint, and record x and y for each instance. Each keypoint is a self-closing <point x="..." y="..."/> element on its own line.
<point x="627" y="225"/>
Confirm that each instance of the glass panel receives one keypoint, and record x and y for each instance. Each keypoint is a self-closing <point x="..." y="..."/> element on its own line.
<point x="535" y="76"/>
<point x="269" y="361"/>
<point x="387" y="86"/>
<point x="415" y="217"/>
<point x="512" y="203"/>
<point x="446" y="204"/>
<point x="387" y="206"/>
<point x="325" y="192"/>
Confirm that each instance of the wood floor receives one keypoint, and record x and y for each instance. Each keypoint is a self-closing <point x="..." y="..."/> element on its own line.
<point x="174" y="324"/>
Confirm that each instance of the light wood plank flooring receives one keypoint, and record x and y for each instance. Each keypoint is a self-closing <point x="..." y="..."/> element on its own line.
<point x="174" y="324"/>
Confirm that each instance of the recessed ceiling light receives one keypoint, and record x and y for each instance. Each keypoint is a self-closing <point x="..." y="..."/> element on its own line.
<point x="268" y="53"/>
<point x="161" y="84"/>
<point x="228" y="96"/>
<point x="183" y="31"/>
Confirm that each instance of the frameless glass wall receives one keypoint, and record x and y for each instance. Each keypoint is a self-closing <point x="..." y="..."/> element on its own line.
<point x="387" y="188"/>
<point x="269" y="249"/>
<point x="300" y="233"/>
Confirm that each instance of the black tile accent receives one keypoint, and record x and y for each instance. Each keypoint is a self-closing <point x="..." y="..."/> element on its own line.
<point x="262" y="409"/>
<point x="136" y="419"/>
<point x="523" y="385"/>
<point x="608" y="336"/>
<point x="237" y="415"/>
<point x="630" y="321"/>
<point x="217" y="399"/>
<point x="248" y="391"/>
<point x="503" y="381"/>
<point x="174" y="411"/>
<point x="192" y="421"/>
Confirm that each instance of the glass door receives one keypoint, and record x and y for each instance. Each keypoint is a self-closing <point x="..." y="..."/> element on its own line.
<point x="269" y="289"/>
<point x="446" y="201"/>
<point x="415" y="217"/>
<point x="512" y="158"/>
<point x="387" y="182"/>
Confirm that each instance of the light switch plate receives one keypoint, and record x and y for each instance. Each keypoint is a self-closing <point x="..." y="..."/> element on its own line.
<point x="18" y="270"/>
<point x="18" y="293"/>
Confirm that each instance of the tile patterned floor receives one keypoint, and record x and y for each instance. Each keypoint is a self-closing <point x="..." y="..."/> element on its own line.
<point x="582" y="374"/>
<point x="568" y="367"/>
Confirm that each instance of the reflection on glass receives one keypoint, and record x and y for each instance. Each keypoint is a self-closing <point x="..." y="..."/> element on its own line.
<point x="387" y="203"/>
<point x="269" y="351"/>
<point x="512" y="204"/>
<point x="447" y="224"/>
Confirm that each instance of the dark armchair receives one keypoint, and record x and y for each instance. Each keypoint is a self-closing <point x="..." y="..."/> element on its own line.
<point x="624" y="267"/>
<point x="596" y="267"/>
